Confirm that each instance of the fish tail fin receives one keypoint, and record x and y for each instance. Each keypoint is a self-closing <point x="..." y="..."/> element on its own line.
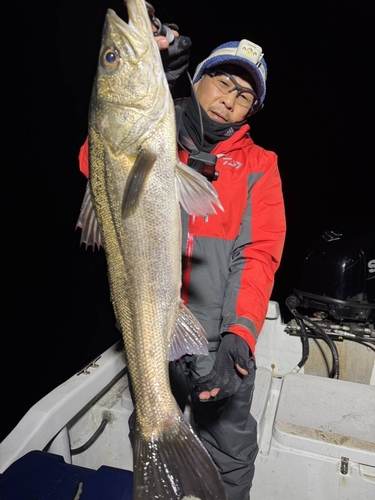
<point x="189" y="336"/>
<point x="175" y="466"/>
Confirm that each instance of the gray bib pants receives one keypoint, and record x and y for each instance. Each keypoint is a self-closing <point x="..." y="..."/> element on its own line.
<point x="226" y="427"/>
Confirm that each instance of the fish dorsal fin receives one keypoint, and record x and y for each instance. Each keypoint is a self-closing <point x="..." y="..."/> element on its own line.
<point x="188" y="336"/>
<point x="87" y="221"/>
<point x="195" y="193"/>
<point x="136" y="181"/>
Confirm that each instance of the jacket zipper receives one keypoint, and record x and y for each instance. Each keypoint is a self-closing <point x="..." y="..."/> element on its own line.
<point x="188" y="253"/>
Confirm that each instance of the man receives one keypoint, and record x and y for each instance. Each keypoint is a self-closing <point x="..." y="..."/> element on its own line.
<point x="229" y="259"/>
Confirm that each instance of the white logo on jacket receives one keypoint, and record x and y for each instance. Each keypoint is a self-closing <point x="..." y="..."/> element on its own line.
<point x="229" y="161"/>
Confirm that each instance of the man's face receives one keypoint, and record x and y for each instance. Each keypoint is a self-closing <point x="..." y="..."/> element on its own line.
<point x="224" y="107"/>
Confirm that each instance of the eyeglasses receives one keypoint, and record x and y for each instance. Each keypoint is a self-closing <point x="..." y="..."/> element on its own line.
<point x="246" y="97"/>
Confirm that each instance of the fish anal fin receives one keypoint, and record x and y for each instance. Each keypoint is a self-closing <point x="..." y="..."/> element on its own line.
<point x="175" y="466"/>
<point x="136" y="181"/>
<point x="196" y="194"/>
<point x="188" y="335"/>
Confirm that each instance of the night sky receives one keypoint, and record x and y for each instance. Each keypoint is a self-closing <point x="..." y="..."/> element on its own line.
<point x="318" y="117"/>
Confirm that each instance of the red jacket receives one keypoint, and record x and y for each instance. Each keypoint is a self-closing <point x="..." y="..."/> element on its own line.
<point x="230" y="259"/>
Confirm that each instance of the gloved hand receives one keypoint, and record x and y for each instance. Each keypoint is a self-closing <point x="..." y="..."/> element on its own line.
<point x="174" y="49"/>
<point x="176" y="59"/>
<point x="231" y="365"/>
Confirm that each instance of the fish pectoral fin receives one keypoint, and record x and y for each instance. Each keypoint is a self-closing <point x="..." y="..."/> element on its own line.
<point x="87" y="221"/>
<point x="189" y="336"/>
<point x="136" y="181"/>
<point x="195" y="193"/>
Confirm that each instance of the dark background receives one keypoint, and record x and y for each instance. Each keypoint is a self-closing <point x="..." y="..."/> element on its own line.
<point x="318" y="118"/>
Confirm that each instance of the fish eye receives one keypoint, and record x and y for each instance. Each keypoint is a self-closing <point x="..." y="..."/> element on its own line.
<point x="110" y="58"/>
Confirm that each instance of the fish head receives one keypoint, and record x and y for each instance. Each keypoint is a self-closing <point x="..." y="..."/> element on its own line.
<point x="130" y="90"/>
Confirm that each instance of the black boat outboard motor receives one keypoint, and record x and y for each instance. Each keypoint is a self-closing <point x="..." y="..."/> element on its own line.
<point x="337" y="288"/>
<point x="338" y="276"/>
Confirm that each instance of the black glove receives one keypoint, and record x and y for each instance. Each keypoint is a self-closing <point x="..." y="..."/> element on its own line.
<point x="176" y="59"/>
<point x="224" y="374"/>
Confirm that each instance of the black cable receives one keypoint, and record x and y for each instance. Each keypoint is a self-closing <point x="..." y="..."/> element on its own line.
<point x="92" y="440"/>
<point x="335" y="355"/>
<point x="305" y="343"/>
<point x="292" y="302"/>
<point x="341" y="337"/>
<point x="194" y="94"/>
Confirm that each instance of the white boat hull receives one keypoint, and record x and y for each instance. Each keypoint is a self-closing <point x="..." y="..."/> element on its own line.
<point x="316" y="434"/>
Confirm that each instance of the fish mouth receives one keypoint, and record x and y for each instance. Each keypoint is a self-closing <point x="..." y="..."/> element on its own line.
<point x="136" y="30"/>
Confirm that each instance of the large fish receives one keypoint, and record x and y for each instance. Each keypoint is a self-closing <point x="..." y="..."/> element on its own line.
<point x="132" y="208"/>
